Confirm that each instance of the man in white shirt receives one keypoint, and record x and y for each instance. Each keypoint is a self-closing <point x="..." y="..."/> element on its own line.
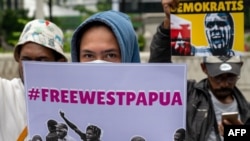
<point x="41" y="40"/>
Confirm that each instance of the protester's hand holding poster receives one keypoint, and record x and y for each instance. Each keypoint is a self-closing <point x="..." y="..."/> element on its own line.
<point x="105" y="102"/>
<point x="208" y="27"/>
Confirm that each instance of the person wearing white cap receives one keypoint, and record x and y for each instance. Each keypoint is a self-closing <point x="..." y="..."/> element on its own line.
<point x="214" y="95"/>
<point x="209" y="98"/>
<point x="41" y="40"/>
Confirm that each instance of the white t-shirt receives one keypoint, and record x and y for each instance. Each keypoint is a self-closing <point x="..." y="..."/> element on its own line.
<point x="12" y="109"/>
<point x="219" y="108"/>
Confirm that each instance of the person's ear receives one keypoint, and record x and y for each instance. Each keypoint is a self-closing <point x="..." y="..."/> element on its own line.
<point x="204" y="68"/>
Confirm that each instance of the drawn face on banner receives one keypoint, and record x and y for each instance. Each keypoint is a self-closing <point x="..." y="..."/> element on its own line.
<point x="219" y="32"/>
<point x="93" y="133"/>
<point x="61" y="130"/>
<point x="179" y="135"/>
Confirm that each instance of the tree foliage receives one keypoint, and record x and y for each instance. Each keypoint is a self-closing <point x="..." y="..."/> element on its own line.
<point x="12" y="23"/>
<point x="103" y="5"/>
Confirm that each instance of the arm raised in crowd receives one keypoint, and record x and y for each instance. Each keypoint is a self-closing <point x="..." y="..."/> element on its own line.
<point x="160" y="49"/>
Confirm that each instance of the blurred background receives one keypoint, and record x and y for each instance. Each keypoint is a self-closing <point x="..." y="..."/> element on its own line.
<point x="68" y="14"/>
<point x="146" y="15"/>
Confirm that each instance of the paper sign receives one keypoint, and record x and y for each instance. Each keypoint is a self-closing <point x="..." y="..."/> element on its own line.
<point x="123" y="100"/>
<point x="208" y="27"/>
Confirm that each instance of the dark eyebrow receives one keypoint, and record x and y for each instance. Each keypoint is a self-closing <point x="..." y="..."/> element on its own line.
<point x="105" y="51"/>
<point x="110" y="50"/>
<point x="86" y="51"/>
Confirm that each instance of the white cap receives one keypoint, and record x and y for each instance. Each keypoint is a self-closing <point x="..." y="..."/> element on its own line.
<point x="42" y="32"/>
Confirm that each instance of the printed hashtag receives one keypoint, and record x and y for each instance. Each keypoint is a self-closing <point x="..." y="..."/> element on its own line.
<point x="34" y="93"/>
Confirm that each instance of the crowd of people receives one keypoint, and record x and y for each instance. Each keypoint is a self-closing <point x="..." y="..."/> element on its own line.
<point x="58" y="131"/>
<point x="109" y="36"/>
